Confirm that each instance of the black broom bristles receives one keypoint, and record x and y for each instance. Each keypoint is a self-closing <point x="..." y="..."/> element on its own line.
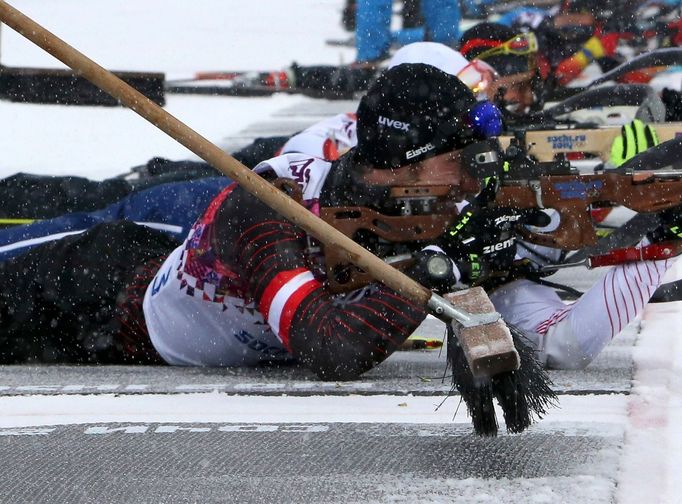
<point x="523" y="394"/>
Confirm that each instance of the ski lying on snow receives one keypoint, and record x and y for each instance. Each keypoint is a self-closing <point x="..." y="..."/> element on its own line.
<point x="320" y="83"/>
<point x="256" y="90"/>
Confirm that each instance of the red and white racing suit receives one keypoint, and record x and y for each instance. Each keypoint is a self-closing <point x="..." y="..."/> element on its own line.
<point x="327" y="139"/>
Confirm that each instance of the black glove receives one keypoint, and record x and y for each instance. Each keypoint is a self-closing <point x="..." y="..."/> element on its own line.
<point x="482" y="240"/>
<point x="673" y="104"/>
<point x="670" y="227"/>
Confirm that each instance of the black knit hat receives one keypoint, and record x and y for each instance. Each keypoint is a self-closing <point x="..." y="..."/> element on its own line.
<point x="410" y="113"/>
<point x="483" y="36"/>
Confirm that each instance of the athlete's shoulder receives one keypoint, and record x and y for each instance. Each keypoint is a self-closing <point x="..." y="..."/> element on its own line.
<point x="308" y="171"/>
<point x="326" y="139"/>
<point x="335" y="123"/>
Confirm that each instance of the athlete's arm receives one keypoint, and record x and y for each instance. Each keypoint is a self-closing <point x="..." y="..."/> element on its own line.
<point x="337" y="341"/>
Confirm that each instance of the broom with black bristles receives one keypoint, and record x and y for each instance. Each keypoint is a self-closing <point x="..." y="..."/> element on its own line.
<point x="523" y="395"/>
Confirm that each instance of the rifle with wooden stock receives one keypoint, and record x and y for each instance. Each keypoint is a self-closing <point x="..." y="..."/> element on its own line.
<point x="524" y="184"/>
<point x="546" y="144"/>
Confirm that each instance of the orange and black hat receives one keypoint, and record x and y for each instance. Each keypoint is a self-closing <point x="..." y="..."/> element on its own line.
<point x="486" y="36"/>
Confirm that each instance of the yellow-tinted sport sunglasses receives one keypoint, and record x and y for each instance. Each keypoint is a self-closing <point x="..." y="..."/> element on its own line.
<point x="478" y="76"/>
<point x="520" y="45"/>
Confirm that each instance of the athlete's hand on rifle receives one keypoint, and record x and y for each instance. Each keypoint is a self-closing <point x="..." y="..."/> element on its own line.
<point x="481" y="241"/>
<point x="670" y="227"/>
<point x="634" y="138"/>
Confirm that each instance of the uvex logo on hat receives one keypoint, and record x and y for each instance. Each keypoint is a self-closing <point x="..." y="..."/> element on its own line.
<point x="392" y="123"/>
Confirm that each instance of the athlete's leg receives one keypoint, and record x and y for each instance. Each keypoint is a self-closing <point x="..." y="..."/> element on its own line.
<point x="26" y="196"/>
<point x="577" y="335"/>
<point x="442" y="19"/>
<point x="58" y="302"/>
<point x="570" y="336"/>
<point x="373" y="29"/>
<point x="172" y="208"/>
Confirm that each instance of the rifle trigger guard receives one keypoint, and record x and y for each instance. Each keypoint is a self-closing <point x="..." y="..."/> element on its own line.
<point x="537" y="190"/>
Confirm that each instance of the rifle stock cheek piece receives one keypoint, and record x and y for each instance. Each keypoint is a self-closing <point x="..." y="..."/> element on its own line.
<point x="394" y="229"/>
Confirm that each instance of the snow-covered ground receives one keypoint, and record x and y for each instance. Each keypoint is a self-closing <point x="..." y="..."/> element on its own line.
<point x="180" y="38"/>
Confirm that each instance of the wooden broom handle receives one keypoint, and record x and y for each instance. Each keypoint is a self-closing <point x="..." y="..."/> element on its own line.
<point x="213" y="155"/>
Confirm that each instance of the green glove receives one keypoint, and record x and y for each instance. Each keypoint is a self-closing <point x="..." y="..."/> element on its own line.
<point x="634" y="138"/>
